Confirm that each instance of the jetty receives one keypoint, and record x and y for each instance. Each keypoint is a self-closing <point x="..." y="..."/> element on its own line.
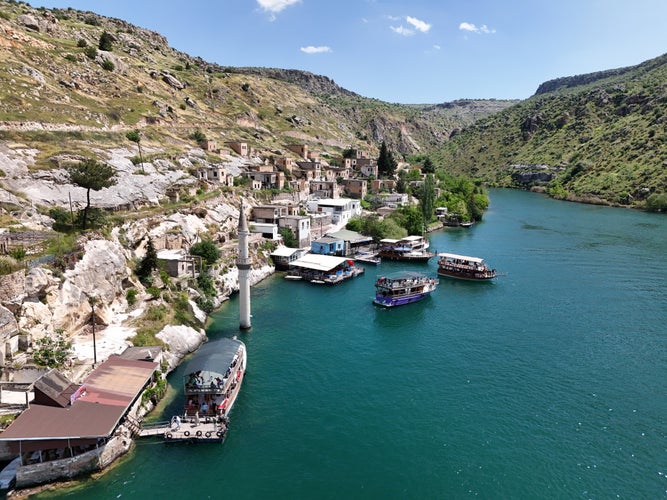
<point x="203" y="430"/>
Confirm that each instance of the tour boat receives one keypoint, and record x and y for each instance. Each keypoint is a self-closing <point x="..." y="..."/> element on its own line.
<point x="403" y="288"/>
<point x="466" y="268"/>
<point x="410" y="248"/>
<point x="212" y="380"/>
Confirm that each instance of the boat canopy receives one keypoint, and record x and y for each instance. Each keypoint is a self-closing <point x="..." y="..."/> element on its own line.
<point x="461" y="257"/>
<point x="213" y="357"/>
<point x="403" y="275"/>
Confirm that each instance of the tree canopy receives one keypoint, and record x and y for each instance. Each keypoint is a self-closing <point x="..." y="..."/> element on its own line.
<point x="386" y="162"/>
<point x="207" y="250"/>
<point x="91" y="174"/>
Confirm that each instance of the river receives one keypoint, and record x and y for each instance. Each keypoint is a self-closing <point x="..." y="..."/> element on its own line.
<point x="549" y="382"/>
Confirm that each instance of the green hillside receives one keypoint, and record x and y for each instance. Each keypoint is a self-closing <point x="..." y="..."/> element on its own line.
<point x="53" y="71"/>
<point x="598" y="138"/>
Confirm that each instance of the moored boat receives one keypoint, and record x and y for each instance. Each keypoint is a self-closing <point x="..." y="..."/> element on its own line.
<point x="368" y="258"/>
<point x="411" y="248"/>
<point x="466" y="268"/>
<point x="212" y="381"/>
<point x="403" y="288"/>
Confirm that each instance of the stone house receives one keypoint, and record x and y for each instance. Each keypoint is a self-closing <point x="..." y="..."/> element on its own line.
<point x="240" y="148"/>
<point x="300" y="226"/>
<point x="314" y="167"/>
<point x="285" y="164"/>
<point x="379" y="185"/>
<point x="177" y="263"/>
<point x="267" y="180"/>
<point x="356" y="188"/>
<point x="324" y="189"/>
<point x="215" y="174"/>
<point x="209" y="145"/>
<point x="269" y="213"/>
<point x="299" y="149"/>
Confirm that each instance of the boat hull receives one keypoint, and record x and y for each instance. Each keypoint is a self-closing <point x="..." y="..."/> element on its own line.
<point x="389" y="302"/>
<point x="407" y="258"/>
<point x="467" y="276"/>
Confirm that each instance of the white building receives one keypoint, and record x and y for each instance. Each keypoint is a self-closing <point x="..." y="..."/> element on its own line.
<point x="341" y="210"/>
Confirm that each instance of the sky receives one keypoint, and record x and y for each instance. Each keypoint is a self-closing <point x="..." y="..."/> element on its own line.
<point x="408" y="51"/>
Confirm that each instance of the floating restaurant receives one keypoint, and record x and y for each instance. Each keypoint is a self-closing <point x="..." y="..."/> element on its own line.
<point x="323" y="269"/>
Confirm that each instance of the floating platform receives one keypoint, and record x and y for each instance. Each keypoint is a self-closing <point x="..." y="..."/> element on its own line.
<point x="208" y="430"/>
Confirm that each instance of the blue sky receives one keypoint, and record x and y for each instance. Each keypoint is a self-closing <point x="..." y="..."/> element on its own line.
<point x="408" y="51"/>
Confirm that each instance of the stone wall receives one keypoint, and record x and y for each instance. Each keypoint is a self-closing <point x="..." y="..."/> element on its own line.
<point x="68" y="468"/>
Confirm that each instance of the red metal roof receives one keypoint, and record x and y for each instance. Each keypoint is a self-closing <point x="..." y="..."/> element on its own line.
<point x="109" y="392"/>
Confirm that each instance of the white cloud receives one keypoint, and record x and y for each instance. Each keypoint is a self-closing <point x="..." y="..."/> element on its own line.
<point x="274" y="6"/>
<point x="418" y="24"/>
<point x="402" y="30"/>
<point x="437" y="47"/>
<point x="315" y="50"/>
<point x="483" y="29"/>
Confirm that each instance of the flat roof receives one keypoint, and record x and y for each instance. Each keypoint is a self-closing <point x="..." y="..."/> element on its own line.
<point x="351" y="236"/>
<point x="171" y="255"/>
<point x="283" y="251"/>
<point x="108" y="393"/>
<point x="334" y="202"/>
<point x="461" y="257"/>
<point x="319" y="262"/>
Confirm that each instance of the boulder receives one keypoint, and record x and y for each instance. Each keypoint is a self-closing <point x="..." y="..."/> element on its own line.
<point x="38" y="281"/>
<point x="181" y="340"/>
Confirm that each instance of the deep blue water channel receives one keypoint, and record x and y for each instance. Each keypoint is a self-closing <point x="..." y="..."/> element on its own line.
<point x="549" y="383"/>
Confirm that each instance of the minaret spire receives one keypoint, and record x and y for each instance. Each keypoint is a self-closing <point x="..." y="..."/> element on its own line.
<point x="243" y="264"/>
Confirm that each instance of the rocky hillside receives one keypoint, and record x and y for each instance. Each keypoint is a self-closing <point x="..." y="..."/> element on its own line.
<point x="598" y="138"/>
<point x="56" y="82"/>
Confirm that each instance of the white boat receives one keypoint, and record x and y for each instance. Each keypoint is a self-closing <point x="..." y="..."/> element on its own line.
<point x="212" y="382"/>
<point x="463" y="267"/>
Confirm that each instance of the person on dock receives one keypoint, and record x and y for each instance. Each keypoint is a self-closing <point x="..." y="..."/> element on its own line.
<point x="178" y="423"/>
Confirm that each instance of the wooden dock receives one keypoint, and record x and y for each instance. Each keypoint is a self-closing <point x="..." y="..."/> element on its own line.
<point x="206" y="430"/>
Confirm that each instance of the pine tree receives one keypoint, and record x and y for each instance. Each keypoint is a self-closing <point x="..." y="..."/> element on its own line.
<point x="148" y="263"/>
<point x="386" y="163"/>
<point x="428" y="167"/>
<point x="91" y="174"/>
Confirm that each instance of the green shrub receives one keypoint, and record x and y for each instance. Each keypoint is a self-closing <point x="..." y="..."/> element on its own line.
<point x="106" y="42"/>
<point x="154" y="291"/>
<point x="52" y="352"/>
<point x="81" y="43"/>
<point x="92" y="21"/>
<point x="71" y="57"/>
<point x="207" y="250"/>
<point x="131" y="296"/>
<point x="17" y="253"/>
<point x="9" y="265"/>
<point x="156" y="313"/>
<point x="108" y="65"/>
<point x="198" y="136"/>
<point x="91" y="52"/>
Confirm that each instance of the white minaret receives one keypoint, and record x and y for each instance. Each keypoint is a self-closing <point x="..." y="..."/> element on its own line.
<point x="243" y="265"/>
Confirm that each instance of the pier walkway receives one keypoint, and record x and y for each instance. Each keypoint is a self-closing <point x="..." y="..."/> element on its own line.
<point x="203" y="430"/>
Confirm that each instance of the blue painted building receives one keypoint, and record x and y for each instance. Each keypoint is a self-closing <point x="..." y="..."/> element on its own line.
<point x="328" y="246"/>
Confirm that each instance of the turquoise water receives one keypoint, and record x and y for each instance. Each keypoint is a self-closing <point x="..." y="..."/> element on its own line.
<point x="548" y="383"/>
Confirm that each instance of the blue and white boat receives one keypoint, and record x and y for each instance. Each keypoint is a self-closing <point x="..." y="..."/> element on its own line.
<point x="403" y="288"/>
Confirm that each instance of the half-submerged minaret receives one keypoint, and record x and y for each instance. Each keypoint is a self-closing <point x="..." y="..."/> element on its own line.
<point x="243" y="265"/>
